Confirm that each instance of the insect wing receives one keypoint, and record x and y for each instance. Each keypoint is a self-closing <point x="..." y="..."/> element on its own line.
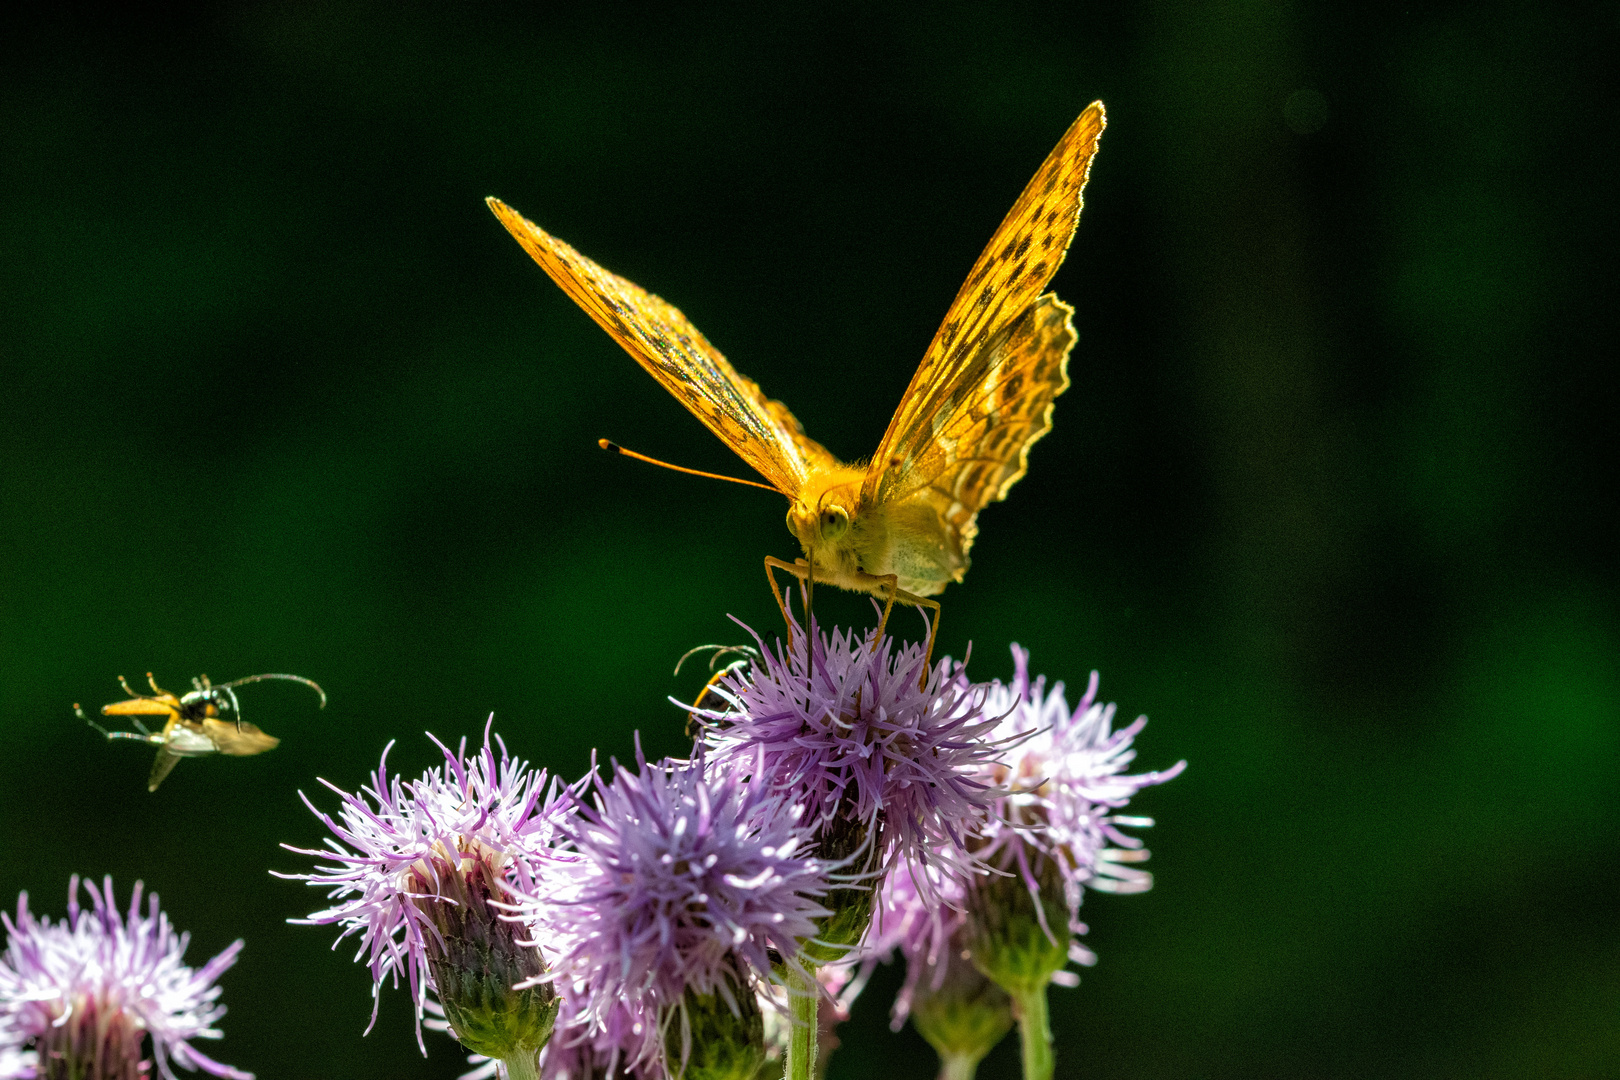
<point x="762" y="432"/>
<point x="162" y="766"/>
<point x="982" y="447"/>
<point x="962" y="368"/>
<point x="238" y="739"/>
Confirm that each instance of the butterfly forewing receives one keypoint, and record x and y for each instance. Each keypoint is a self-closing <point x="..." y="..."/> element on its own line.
<point x="1008" y="278"/>
<point x="762" y="432"/>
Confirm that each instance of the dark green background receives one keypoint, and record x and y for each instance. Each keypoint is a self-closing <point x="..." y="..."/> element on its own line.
<point x="1326" y="499"/>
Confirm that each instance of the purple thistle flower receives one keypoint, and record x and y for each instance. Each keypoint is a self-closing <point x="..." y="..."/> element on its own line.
<point x="1065" y="780"/>
<point x="853" y="737"/>
<point x="15" y="1062"/>
<point x="584" y="1051"/>
<point x="422" y="869"/>
<point x="84" y="992"/>
<point x="689" y="877"/>
<point x="918" y="911"/>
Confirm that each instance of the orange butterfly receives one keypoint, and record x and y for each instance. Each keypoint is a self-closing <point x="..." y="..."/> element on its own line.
<point x="900" y="525"/>
<point x="193" y="727"/>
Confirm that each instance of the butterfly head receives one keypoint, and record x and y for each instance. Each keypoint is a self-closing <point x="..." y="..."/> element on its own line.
<point x="827" y="519"/>
<point x="820" y="517"/>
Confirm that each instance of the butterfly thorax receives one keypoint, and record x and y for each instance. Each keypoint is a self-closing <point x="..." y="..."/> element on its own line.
<point x="856" y="545"/>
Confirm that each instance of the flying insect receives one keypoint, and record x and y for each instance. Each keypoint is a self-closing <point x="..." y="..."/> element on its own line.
<point x="206" y="720"/>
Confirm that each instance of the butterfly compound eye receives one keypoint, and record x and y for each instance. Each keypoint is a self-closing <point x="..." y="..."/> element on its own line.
<point x="834" y="522"/>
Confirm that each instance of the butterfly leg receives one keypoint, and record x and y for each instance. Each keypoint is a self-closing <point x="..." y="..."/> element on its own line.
<point x="801" y="570"/>
<point x="891" y="584"/>
<point x="773" y="564"/>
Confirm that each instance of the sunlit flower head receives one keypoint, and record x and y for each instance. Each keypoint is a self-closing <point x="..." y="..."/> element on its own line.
<point x="1066" y="782"/>
<point x="79" y="996"/>
<point x="423" y="867"/>
<point x="853" y="736"/>
<point x="690" y="880"/>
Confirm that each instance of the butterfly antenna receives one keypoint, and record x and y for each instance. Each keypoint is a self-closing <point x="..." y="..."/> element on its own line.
<point x="613" y="447"/>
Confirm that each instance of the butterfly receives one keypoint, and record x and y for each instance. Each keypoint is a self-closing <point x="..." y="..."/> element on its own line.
<point x="194" y="727"/>
<point x="899" y="525"/>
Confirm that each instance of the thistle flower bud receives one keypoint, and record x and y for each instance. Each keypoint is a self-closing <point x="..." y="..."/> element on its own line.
<point x="476" y="959"/>
<point x="719" y="1036"/>
<point x="962" y="1014"/>
<point x="1016" y="930"/>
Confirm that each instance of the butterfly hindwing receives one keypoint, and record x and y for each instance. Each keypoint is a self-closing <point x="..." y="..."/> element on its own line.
<point x="998" y="410"/>
<point x="1004" y="285"/>
<point x="762" y="432"/>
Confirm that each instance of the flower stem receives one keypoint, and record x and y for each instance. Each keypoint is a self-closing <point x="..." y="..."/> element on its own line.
<point x="1035" y="1032"/>
<point x="958" y="1067"/>
<point x="804" y="998"/>
<point x="523" y="1065"/>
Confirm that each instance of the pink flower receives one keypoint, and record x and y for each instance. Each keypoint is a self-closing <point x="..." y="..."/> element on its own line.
<point x="423" y="867"/>
<point x="1065" y="782"/>
<point x="84" y="993"/>
<point x="852" y="736"/>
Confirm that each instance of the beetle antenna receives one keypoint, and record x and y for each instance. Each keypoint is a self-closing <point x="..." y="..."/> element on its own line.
<point x="311" y="683"/>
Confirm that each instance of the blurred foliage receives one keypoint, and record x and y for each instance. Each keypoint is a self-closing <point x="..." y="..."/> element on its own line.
<point x="1327" y="500"/>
